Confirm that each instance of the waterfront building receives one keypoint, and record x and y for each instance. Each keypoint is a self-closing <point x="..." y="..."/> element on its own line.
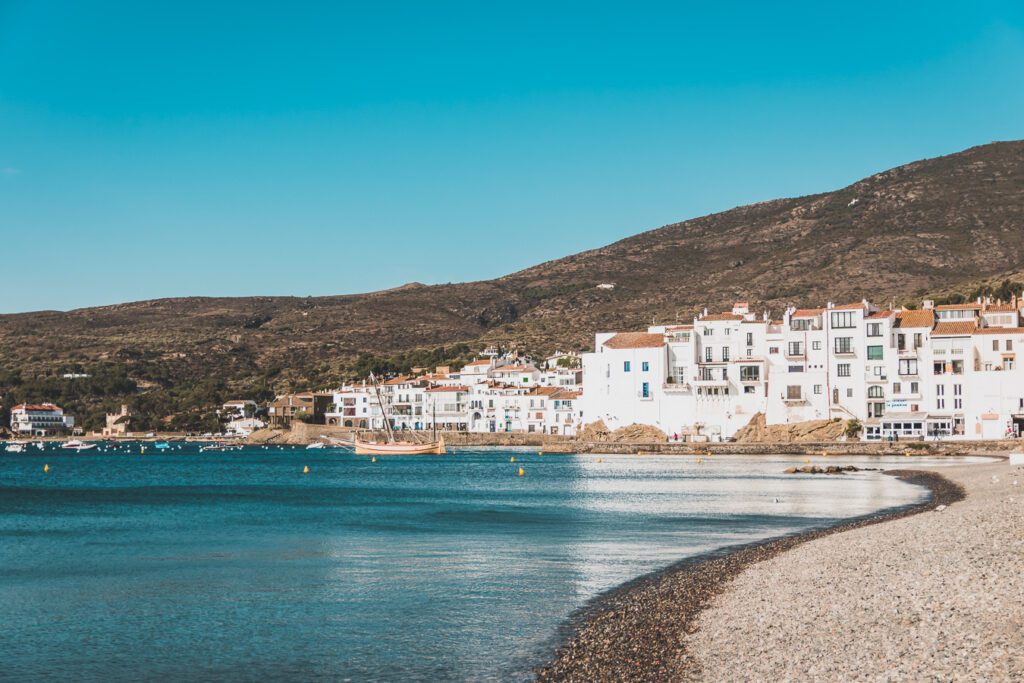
<point x="40" y="419"/>
<point x="945" y="371"/>
<point x="313" y="406"/>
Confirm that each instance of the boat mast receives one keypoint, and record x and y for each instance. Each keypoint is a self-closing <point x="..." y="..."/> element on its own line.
<point x="383" y="412"/>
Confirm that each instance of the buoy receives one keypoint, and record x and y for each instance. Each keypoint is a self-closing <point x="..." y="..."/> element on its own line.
<point x="373" y="459"/>
<point x="698" y="461"/>
<point x="540" y="452"/>
<point x="512" y="459"/>
<point x="807" y="459"/>
<point x="143" y="449"/>
<point x="46" y="468"/>
<point x="522" y="472"/>
<point x="600" y="459"/>
<point x="824" y="454"/>
<point x="305" y="470"/>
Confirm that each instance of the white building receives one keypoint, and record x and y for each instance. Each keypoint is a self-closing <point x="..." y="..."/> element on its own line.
<point x="40" y="419"/>
<point x="941" y="372"/>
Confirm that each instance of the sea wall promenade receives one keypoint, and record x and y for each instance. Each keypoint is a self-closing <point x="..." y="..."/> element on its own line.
<point x="300" y="434"/>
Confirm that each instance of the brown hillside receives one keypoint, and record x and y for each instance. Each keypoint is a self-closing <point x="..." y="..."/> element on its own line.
<point x="938" y="225"/>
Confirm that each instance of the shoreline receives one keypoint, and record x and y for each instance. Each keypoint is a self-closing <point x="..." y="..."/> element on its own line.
<point x="637" y="631"/>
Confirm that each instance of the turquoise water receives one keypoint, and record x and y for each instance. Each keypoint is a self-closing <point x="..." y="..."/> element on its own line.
<point x="237" y="566"/>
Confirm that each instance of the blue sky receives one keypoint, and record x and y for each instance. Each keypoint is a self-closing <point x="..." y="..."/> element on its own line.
<point x="289" y="148"/>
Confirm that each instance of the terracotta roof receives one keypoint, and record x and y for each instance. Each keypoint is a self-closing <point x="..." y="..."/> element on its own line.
<point x="999" y="330"/>
<point x="478" y="362"/>
<point x="958" y="307"/>
<point x="877" y="315"/>
<point x="1000" y="308"/>
<point x="543" y="391"/>
<point x="448" y="389"/>
<point x="514" y="368"/>
<point x="807" y="313"/>
<point x="721" y="316"/>
<point x="755" y="322"/>
<point x="954" y="329"/>
<point x="567" y="395"/>
<point x="36" y="406"/>
<point x="849" y="307"/>
<point x="905" y="319"/>
<point x="401" y="379"/>
<point x="636" y="340"/>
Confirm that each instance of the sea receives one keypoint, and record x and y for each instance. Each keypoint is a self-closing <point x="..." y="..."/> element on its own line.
<point x="119" y="564"/>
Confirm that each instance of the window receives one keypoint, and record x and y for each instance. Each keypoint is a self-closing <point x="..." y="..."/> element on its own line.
<point x="843" y="319"/>
<point x="908" y="366"/>
<point x="849" y="393"/>
<point x="913" y="387"/>
<point x="748" y="390"/>
<point x="750" y="373"/>
<point x="917" y="340"/>
<point x="796" y="368"/>
<point x="874" y="353"/>
<point x="645" y="390"/>
<point x="817" y="389"/>
<point x="800" y="324"/>
<point x="835" y="395"/>
<point x="843" y="370"/>
<point x="728" y="331"/>
<point x="725" y="353"/>
<point x="707" y="355"/>
<point x="793" y="392"/>
<point x="896" y="387"/>
<point x="958" y="403"/>
<point x="1009" y="345"/>
<point x="750" y="338"/>
<point x="958" y="389"/>
<point x="645" y="366"/>
<point x="844" y="345"/>
<point x="875" y="392"/>
<point x="773" y="350"/>
<point x="940" y="403"/>
<point x="995" y="344"/>
<point x="874" y="329"/>
<point x="707" y="331"/>
<point x="940" y="390"/>
<point x="796" y="349"/>
<point x="816" y="345"/>
<point x="625" y="366"/>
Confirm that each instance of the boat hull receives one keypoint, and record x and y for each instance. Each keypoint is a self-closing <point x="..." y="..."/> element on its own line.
<point x="372" y="448"/>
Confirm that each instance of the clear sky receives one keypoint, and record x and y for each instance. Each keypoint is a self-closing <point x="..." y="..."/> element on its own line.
<point x="178" y="148"/>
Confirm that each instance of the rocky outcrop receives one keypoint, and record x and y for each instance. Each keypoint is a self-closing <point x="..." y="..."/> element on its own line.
<point x="757" y="431"/>
<point x="634" y="433"/>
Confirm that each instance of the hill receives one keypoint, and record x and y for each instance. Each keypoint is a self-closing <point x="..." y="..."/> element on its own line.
<point x="946" y="226"/>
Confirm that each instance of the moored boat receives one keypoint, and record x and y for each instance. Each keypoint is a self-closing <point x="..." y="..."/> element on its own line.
<point x="77" y="445"/>
<point x="400" y="448"/>
<point x="15" y="448"/>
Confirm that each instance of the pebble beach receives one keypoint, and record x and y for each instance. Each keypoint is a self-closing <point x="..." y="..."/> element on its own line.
<point x="930" y="592"/>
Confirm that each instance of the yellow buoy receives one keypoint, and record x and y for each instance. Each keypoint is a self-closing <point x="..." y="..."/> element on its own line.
<point x="46" y="468"/>
<point x="807" y="459"/>
<point x="512" y="459"/>
<point x="600" y="459"/>
<point x="540" y="452"/>
<point x="698" y="461"/>
<point x="305" y="470"/>
<point x="373" y="459"/>
<point x="522" y="472"/>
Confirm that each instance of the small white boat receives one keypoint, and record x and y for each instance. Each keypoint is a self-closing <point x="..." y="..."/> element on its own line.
<point x="15" y="448"/>
<point x="317" y="445"/>
<point x="78" y="445"/>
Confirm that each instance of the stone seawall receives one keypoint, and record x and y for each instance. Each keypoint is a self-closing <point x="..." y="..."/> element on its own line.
<point x="301" y="433"/>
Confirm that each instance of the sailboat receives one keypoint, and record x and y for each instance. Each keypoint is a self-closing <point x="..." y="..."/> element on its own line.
<point x="393" y="447"/>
